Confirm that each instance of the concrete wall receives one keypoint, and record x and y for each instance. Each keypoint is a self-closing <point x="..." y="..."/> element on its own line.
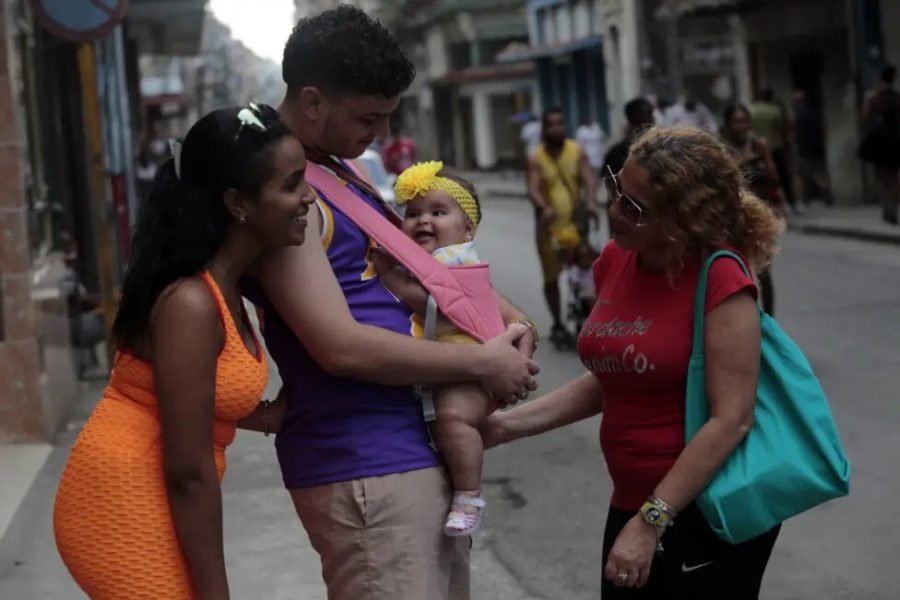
<point x="37" y="380"/>
<point x="621" y="51"/>
<point x="485" y="132"/>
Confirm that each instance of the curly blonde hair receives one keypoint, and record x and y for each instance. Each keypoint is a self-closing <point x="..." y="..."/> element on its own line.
<point x="704" y="195"/>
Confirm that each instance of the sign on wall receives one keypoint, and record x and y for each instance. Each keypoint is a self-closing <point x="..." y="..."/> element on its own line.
<point x="79" y="20"/>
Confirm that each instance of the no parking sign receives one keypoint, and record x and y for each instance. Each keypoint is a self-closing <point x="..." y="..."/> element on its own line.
<point x="80" y="20"/>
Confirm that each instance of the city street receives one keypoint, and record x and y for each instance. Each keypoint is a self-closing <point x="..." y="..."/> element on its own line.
<point x="839" y="299"/>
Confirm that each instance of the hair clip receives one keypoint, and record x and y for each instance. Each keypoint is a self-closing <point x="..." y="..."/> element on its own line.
<point x="175" y="150"/>
<point x="249" y="117"/>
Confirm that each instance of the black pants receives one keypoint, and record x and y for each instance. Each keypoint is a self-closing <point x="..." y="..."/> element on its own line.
<point x="696" y="564"/>
<point x="785" y="178"/>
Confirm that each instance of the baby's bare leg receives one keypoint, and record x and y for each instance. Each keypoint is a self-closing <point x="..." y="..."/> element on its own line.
<point x="461" y="409"/>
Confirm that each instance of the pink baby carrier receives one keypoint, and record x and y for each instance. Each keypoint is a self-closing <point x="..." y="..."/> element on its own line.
<point x="463" y="293"/>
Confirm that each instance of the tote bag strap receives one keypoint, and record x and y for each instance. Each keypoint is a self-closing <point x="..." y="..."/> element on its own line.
<point x="700" y="296"/>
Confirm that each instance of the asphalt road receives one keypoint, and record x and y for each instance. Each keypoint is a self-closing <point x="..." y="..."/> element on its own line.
<point x="840" y="300"/>
<point x="548" y="496"/>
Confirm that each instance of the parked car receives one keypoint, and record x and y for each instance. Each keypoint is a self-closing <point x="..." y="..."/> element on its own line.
<point x="373" y="166"/>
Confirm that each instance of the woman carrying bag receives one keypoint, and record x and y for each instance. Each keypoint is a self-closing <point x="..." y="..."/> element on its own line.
<point x="679" y="199"/>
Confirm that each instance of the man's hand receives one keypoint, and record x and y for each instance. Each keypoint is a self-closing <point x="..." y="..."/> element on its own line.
<point x="548" y="214"/>
<point x="526" y="344"/>
<point x="382" y="261"/>
<point x="507" y="374"/>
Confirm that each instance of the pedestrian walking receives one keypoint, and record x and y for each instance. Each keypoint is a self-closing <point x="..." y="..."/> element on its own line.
<point x="562" y="188"/>
<point x="809" y="140"/>
<point x="531" y="134"/>
<point x="679" y="197"/>
<point x="138" y="513"/>
<point x="371" y="493"/>
<point x="399" y="152"/>
<point x="880" y="145"/>
<point x="760" y="172"/>
<point x="639" y="116"/>
<point x="592" y="139"/>
<point x="690" y="113"/>
<point x="769" y="121"/>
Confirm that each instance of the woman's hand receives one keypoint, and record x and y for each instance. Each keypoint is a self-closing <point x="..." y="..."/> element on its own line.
<point x="493" y="430"/>
<point x="506" y="374"/>
<point x="632" y="554"/>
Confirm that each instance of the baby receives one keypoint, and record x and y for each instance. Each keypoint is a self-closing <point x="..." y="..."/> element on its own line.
<point x="442" y="214"/>
<point x="580" y="274"/>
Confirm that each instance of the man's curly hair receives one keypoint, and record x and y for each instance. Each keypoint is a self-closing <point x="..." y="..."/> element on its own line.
<point x="704" y="195"/>
<point x="345" y="51"/>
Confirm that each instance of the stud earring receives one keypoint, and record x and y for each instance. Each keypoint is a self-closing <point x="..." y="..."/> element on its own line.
<point x="242" y="219"/>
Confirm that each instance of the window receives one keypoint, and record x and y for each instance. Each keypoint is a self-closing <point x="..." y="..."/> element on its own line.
<point x="460" y="56"/>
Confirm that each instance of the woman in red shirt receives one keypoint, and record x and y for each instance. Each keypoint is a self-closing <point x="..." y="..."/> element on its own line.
<point x="679" y="197"/>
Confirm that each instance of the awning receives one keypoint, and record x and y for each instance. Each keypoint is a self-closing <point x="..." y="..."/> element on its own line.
<point x="523" y="52"/>
<point x="173" y="27"/>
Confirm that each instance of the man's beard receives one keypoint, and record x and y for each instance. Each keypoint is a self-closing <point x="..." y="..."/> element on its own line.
<point x="555" y="141"/>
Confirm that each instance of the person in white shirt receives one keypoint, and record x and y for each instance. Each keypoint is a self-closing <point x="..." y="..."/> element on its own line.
<point x="592" y="139"/>
<point x="690" y="113"/>
<point x="531" y="135"/>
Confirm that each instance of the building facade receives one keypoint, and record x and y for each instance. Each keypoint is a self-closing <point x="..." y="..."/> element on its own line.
<point x="831" y="49"/>
<point x="464" y="104"/>
<point x="70" y="118"/>
<point x="567" y="46"/>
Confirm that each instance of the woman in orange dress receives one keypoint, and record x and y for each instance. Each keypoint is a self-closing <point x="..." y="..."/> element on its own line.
<point x="138" y="513"/>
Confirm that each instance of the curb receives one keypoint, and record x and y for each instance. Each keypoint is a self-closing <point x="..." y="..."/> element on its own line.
<point x="847" y="233"/>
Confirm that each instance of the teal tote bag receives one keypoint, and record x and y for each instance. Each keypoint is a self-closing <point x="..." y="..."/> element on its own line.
<point x="791" y="460"/>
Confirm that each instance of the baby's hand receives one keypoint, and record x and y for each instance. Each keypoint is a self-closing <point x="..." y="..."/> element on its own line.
<point x="382" y="261"/>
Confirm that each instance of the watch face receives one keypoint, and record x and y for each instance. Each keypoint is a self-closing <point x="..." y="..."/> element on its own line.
<point x="652" y="515"/>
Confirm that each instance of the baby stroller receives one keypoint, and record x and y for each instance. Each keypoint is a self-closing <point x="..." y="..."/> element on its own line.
<point x="581" y="293"/>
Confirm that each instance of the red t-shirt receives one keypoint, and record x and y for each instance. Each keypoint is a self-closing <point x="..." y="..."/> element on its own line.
<point x="637" y="342"/>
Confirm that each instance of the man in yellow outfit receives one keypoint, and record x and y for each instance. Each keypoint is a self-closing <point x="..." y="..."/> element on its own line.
<point x="562" y="186"/>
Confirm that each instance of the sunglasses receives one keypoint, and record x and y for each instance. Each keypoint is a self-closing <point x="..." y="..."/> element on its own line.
<point x="251" y="117"/>
<point x="633" y="212"/>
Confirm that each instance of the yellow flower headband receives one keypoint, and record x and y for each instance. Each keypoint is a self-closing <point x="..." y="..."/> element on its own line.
<point x="420" y="178"/>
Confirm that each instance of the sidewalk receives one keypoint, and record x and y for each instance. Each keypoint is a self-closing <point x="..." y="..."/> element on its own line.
<point x="498" y="184"/>
<point x="267" y="553"/>
<point x="861" y="222"/>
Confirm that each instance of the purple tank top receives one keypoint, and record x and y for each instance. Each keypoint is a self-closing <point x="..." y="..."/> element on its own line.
<point x="339" y="429"/>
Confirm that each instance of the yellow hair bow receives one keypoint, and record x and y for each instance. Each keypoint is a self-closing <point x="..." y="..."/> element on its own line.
<point x="421" y="178"/>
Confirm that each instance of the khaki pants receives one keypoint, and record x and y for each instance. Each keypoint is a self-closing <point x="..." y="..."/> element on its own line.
<point x="382" y="538"/>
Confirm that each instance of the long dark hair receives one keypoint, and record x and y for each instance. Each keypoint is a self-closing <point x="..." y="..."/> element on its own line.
<point x="184" y="221"/>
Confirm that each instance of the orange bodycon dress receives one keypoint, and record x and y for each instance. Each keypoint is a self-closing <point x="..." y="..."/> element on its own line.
<point x="112" y="521"/>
